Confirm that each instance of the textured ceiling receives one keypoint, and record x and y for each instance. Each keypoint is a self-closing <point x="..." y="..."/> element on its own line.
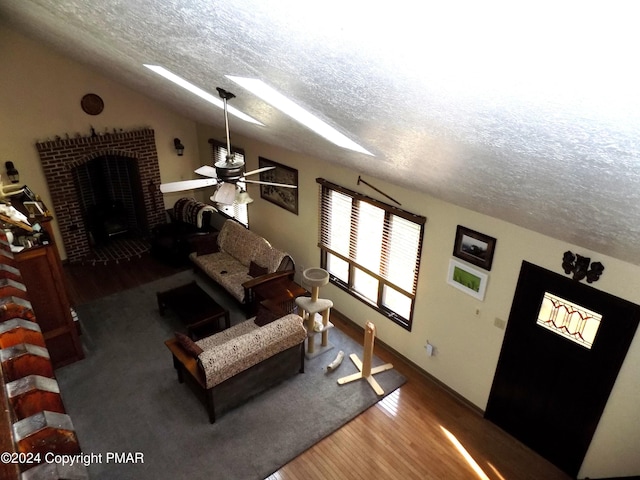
<point x="528" y="114"/>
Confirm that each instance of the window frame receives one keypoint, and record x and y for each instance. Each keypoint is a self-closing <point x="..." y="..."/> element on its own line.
<point x="356" y="198"/>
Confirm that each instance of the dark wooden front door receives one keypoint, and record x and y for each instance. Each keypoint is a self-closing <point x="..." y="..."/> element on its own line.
<point x="548" y="391"/>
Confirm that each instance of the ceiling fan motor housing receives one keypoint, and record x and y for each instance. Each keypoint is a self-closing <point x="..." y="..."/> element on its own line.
<point x="229" y="172"/>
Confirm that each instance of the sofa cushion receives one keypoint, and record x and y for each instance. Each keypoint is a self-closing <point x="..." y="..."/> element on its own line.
<point x="268" y="256"/>
<point x="219" y="264"/>
<point x="227" y="334"/>
<point x="240" y="243"/>
<point x="239" y="353"/>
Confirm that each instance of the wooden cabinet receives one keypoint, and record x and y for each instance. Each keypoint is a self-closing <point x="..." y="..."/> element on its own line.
<point x="42" y="274"/>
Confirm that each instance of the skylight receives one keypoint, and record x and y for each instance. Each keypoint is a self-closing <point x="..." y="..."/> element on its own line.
<point x="295" y="111"/>
<point x="199" y="92"/>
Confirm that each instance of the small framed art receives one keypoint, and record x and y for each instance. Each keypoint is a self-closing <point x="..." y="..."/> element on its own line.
<point x="467" y="279"/>
<point x="474" y="247"/>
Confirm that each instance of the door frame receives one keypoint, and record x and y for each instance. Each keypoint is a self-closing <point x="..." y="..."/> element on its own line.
<point x="553" y="411"/>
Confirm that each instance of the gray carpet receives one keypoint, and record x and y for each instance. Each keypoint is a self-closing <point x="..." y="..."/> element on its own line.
<point x="125" y="397"/>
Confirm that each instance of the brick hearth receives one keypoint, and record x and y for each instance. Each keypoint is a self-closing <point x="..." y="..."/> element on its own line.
<point x="60" y="157"/>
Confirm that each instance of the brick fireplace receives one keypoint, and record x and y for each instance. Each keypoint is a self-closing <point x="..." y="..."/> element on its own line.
<point x="62" y="159"/>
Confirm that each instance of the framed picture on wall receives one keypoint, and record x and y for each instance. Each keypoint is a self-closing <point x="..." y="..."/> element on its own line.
<point x="286" y="198"/>
<point x="474" y="247"/>
<point x="467" y="279"/>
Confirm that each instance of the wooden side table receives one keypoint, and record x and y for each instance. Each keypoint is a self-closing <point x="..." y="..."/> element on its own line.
<point x="280" y="296"/>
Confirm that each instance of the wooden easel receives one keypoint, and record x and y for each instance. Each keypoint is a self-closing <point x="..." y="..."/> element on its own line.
<point x="366" y="371"/>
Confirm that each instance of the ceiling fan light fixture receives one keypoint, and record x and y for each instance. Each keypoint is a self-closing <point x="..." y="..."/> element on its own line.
<point x="243" y="198"/>
<point x="299" y="114"/>
<point x="225" y="194"/>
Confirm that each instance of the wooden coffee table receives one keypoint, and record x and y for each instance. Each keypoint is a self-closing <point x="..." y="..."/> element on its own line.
<point x="195" y="308"/>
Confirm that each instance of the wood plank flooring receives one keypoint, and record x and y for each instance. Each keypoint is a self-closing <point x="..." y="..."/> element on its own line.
<point x="411" y="434"/>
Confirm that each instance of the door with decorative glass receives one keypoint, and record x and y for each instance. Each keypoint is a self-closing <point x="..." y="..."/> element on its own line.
<point x="563" y="347"/>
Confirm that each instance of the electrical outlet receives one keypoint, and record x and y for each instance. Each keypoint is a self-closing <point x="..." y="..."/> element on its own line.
<point x="431" y="350"/>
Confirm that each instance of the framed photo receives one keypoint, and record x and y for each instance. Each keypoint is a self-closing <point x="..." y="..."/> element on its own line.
<point x="35" y="209"/>
<point x="474" y="247"/>
<point x="467" y="279"/>
<point x="286" y="198"/>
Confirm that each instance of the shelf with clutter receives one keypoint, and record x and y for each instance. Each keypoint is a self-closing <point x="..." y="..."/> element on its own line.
<point x="21" y="214"/>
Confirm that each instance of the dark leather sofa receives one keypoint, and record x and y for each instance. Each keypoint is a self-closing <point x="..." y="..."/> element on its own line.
<point x="189" y="220"/>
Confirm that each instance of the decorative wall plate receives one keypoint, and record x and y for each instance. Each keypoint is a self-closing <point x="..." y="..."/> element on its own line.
<point x="92" y="104"/>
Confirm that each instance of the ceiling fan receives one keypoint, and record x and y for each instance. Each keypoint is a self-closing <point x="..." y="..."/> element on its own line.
<point x="228" y="174"/>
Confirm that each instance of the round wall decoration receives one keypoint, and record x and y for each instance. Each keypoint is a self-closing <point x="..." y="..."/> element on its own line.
<point x="92" y="104"/>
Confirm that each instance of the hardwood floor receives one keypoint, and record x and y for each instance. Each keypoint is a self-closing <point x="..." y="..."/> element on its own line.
<point x="410" y="434"/>
<point x="87" y="282"/>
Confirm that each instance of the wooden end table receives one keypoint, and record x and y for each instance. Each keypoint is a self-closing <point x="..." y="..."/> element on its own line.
<point x="279" y="296"/>
<point x="195" y="308"/>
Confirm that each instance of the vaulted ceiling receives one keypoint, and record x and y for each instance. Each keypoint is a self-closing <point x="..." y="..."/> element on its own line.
<point x="528" y="113"/>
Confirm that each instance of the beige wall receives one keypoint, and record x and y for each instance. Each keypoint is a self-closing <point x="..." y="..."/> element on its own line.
<point x="40" y="96"/>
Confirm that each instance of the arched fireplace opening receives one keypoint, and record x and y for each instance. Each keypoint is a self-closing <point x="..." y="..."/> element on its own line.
<point x="106" y="200"/>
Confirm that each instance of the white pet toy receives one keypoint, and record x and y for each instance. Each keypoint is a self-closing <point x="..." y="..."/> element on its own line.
<point x="336" y="363"/>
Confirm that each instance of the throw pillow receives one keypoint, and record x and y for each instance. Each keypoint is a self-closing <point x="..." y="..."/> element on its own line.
<point x="188" y="344"/>
<point x="256" y="270"/>
<point x="265" y="316"/>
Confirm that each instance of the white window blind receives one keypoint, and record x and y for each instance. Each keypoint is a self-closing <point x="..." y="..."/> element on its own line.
<point x="371" y="249"/>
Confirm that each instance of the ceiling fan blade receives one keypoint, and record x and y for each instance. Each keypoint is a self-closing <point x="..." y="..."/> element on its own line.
<point x="187" y="185"/>
<point x="263" y="169"/>
<point x="284" y="185"/>
<point x="207" y="171"/>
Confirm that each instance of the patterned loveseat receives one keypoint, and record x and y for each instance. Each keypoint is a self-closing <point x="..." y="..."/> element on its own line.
<point x="240" y="260"/>
<point x="242" y="361"/>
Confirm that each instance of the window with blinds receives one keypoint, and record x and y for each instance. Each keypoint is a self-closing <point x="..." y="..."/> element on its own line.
<point x="219" y="154"/>
<point x="371" y="250"/>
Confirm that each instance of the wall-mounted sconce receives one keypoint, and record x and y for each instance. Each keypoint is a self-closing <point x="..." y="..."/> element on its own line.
<point x="579" y="266"/>
<point x="179" y="146"/>
<point x="12" y="172"/>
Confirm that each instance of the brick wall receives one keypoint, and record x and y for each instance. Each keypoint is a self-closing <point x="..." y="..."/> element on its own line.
<point x="61" y="156"/>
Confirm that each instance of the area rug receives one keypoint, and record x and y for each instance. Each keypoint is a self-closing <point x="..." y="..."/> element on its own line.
<point x="124" y="398"/>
